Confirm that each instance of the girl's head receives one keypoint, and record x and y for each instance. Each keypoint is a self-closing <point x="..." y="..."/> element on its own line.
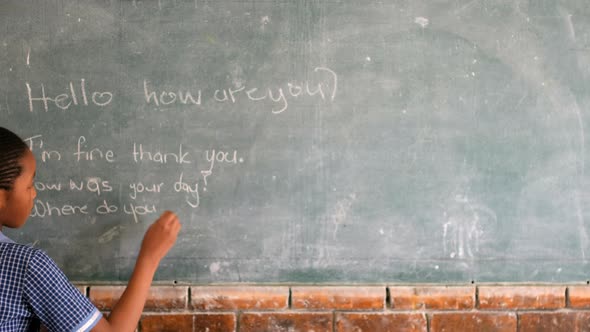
<point x="17" y="170"/>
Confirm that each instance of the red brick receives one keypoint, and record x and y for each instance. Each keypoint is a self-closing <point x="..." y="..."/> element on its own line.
<point x="579" y="296"/>
<point x="166" y="323"/>
<point x="341" y="298"/>
<point x="286" y="321"/>
<point x="435" y="297"/>
<point x="165" y="298"/>
<point x="521" y="297"/>
<point x="105" y="297"/>
<point x="380" y="321"/>
<point x="214" y="322"/>
<point x="160" y="298"/>
<point x="239" y="298"/>
<point x="554" y="322"/>
<point x="473" y="322"/>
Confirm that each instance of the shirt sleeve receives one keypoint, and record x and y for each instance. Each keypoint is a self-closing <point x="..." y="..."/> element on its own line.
<point x="52" y="298"/>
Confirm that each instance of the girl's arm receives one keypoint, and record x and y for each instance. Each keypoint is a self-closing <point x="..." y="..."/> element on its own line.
<point x="158" y="240"/>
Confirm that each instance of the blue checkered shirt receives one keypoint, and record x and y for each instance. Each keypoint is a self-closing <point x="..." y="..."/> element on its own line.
<point x="33" y="290"/>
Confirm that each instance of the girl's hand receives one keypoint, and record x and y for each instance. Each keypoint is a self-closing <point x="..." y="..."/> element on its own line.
<point x="159" y="238"/>
<point x="157" y="241"/>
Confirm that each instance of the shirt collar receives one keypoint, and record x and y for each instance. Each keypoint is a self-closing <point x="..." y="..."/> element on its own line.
<point x="5" y="239"/>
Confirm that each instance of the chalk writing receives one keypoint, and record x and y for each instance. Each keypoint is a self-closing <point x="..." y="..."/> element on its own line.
<point x="46" y="155"/>
<point x="195" y="168"/>
<point x="92" y="154"/>
<point x="93" y="185"/>
<point x="74" y="96"/>
<point x="139" y="210"/>
<point x="280" y="95"/>
<point x="45" y="209"/>
<point x="323" y="85"/>
<point x="189" y="188"/>
<point x="106" y="208"/>
<point x="139" y="187"/>
<point x="41" y="186"/>
<point x="183" y="97"/>
<point x="213" y="156"/>
<point x="140" y="154"/>
<point x="187" y="183"/>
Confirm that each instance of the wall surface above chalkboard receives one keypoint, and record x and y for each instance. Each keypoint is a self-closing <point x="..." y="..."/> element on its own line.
<point x="306" y="141"/>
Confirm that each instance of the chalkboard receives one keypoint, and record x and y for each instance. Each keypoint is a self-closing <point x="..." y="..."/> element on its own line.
<point x="306" y="141"/>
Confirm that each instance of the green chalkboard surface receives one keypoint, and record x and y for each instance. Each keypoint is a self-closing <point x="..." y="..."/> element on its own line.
<point x="306" y="140"/>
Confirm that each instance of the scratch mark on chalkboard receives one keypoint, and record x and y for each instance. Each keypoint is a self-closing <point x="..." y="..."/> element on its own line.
<point x="6" y="105"/>
<point x="581" y="166"/>
<point x="464" y="7"/>
<point x="29" y="57"/>
<point x="217" y="267"/>
<point x="421" y="21"/>
<point x="211" y="39"/>
<point x="214" y="267"/>
<point x="570" y="26"/>
<point x="464" y="227"/>
<point x="581" y="172"/>
<point x="237" y="76"/>
<point x="524" y="96"/>
<point x="581" y="223"/>
<point x="582" y="228"/>
<point x="264" y="21"/>
<point x="109" y="235"/>
<point x="340" y="212"/>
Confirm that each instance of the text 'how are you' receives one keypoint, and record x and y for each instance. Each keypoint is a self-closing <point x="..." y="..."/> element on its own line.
<point x="77" y="94"/>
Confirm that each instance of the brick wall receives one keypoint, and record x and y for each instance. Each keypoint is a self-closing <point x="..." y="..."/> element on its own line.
<point x="358" y="308"/>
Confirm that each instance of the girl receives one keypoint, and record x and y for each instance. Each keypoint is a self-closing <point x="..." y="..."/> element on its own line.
<point x="33" y="290"/>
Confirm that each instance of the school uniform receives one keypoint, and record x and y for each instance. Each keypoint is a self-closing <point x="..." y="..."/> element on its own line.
<point x="33" y="290"/>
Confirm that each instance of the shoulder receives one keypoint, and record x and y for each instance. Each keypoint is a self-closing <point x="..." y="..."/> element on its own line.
<point x="12" y="254"/>
<point x="15" y="260"/>
<point x="17" y="248"/>
<point x="22" y="260"/>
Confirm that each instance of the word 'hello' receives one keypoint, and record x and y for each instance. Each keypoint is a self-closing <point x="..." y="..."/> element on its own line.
<point x="63" y="101"/>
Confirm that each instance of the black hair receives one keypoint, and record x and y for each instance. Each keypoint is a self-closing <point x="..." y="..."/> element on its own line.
<point x="12" y="149"/>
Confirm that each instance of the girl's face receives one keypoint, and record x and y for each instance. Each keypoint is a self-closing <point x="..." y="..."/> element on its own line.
<point x="16" y="204"/>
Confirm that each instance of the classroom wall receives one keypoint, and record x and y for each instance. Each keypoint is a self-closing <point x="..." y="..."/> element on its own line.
<point x="424" y="308"/>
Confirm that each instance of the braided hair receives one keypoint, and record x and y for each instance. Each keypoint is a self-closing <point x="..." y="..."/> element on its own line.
<point x="12" y="148"/>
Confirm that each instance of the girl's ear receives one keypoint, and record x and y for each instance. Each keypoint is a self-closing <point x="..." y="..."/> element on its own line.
<point x="3" y="198"/>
